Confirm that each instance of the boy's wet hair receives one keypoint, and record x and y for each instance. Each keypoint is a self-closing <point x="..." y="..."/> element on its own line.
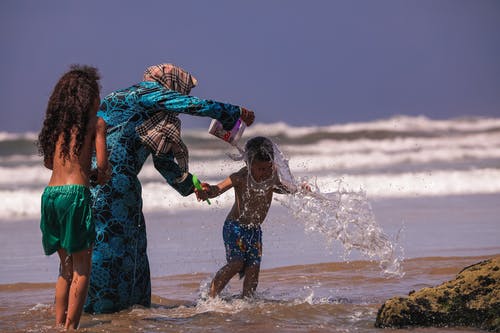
<point x="259" y="148"/>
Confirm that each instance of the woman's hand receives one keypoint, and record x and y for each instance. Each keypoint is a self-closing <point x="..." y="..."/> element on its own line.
<point x="247" y="116"/>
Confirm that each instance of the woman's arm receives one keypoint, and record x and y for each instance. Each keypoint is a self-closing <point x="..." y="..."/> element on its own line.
<point x="161" y="99"/>
<point x="172" y="173"/>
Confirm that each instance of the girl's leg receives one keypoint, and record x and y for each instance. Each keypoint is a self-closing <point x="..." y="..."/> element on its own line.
<point x="224" y="275"/>
<point x="251" y="280"/>
<point x="82" y="263"/>
<point x="63" y="285"/>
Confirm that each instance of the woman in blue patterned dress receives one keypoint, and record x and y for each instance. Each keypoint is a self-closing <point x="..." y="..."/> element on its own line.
<point x="120" y="274"/>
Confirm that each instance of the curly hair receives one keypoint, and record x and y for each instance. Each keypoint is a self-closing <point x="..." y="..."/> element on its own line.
<point x="67" y="111"/>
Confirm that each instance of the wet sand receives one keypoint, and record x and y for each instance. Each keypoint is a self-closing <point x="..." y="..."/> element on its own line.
<point x="305" y="285"/>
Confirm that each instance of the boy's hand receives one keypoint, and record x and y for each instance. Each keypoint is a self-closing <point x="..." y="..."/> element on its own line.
<point x="202" y="194"/>
<point x="306" y="187"/>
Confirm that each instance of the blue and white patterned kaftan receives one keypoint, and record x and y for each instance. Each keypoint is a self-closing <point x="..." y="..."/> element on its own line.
<point x="120" y="274"/>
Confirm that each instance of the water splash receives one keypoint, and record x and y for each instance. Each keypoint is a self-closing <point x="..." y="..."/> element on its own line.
<point x="344" y="216"/>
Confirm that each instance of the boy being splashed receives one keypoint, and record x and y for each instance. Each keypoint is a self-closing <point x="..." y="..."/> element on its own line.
<point x="254" y="186"/>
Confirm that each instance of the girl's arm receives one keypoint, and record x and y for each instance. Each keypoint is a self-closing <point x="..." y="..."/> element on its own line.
<point x="103" y="165"/>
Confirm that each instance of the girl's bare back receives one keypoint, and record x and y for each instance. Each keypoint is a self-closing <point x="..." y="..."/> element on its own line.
<point x="76" y="168"/>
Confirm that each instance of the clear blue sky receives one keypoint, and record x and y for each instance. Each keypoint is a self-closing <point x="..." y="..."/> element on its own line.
<point x="301" y="62"/>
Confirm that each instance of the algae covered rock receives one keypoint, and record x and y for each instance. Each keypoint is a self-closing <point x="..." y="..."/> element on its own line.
<point x="471" y="299"/>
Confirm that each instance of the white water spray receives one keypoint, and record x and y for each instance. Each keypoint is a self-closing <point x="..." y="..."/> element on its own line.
<point x="344" y="216"/>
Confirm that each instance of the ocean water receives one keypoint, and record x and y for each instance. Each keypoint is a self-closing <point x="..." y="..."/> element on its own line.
<point x="394" y="158"/>
<point x="397" y="204"/>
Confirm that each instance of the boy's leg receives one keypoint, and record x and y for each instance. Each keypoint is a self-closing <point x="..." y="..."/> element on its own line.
<point x="62" y="286"/>
<point x="224" y="275"/>
<point x="79" y="287"/>
<point x="251" y="280"/>
<point x="254" y="256"/>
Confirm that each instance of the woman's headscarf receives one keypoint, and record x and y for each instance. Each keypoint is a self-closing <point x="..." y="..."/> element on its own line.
<point x="162" y="132"/>
<point x="171" y="77"/>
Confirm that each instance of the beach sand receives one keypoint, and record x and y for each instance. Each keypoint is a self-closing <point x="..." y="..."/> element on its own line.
<point x="305" y="285"/>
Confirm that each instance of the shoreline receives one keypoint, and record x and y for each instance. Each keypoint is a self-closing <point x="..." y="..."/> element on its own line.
<point x="439" y="265"/>
<point x="185" y="242"/>
<point x="449" y="266"/>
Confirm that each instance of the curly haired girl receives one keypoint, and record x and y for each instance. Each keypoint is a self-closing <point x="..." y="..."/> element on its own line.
<point x="71" y="133"/>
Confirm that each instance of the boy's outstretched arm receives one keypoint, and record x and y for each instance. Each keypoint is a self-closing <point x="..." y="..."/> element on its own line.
<point x="212" y="191"/>
<point x="286" y="189"/>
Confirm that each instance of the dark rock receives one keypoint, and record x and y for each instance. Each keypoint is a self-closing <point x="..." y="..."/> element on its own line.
<point x="472" y="299"/>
